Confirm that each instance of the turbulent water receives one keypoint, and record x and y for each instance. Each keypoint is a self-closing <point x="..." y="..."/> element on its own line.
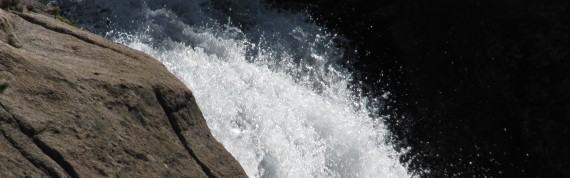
<point x="268" y="82"/>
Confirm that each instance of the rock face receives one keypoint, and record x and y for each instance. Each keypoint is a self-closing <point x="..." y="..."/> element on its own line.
<point x="78" y="105"/>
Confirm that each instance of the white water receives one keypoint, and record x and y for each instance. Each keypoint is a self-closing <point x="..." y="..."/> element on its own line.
<point x="272" y="94"/>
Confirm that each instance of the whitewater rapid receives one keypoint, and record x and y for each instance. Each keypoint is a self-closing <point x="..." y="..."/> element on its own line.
<point x="269" y="83"/>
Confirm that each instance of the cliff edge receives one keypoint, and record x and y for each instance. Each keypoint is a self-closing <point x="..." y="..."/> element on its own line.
<point x="77" y="105"/>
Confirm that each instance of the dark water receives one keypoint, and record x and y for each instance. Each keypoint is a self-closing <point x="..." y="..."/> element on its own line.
<point x="481" y="88"/>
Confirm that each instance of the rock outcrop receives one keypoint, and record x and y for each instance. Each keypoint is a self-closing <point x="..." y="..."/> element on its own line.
<point x="78" y="105"/>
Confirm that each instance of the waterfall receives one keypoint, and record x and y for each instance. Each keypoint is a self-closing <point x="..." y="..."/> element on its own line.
<point x="268" y="82"/>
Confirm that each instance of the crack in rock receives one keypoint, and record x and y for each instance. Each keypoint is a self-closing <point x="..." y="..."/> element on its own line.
<point x="177" y="129"/>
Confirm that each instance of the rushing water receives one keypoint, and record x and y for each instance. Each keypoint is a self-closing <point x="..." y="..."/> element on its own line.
<point x="269" y="83"/>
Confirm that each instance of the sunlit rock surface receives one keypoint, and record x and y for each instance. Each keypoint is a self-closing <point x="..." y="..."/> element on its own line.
<point x="78" y="105"/>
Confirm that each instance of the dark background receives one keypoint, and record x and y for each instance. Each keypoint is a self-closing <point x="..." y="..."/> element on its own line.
<point x="479" y="88"/>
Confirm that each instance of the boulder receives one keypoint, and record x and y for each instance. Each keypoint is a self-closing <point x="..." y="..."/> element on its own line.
<point x="78" y="105"/>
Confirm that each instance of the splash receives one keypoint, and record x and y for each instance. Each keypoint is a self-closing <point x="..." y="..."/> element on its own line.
<point x="269" y="83"/>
